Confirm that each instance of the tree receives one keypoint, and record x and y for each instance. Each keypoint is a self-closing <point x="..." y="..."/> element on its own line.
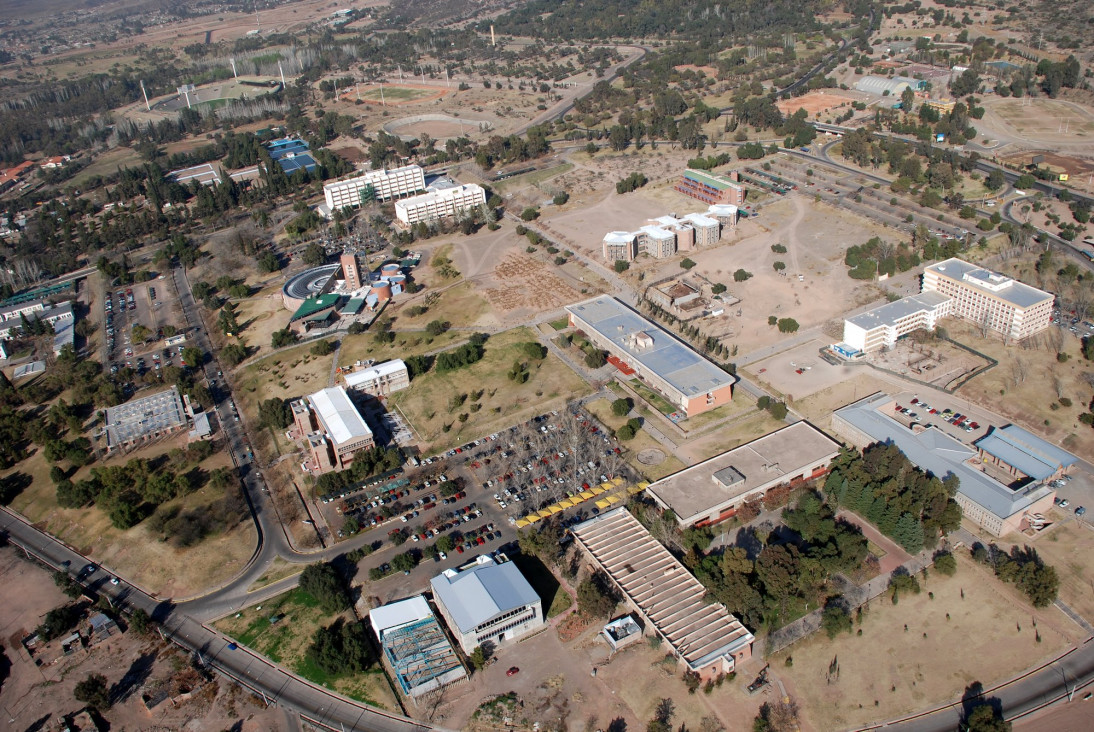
<point x="275" y="413"/>
<point x="945" y="563"/>
<point x="140" y="622"/>
<point x="341" y="648"/>
<point x="478" y="658"/>
<point x="314" y="255"/>
<point x="778" y="266"/>
<point x="233" y="354"/>
<point x="595" y="596"/>
<point x="67" y="585"/>
<point x="322" y="348"/>
<point x="836" y="619"/>
<point x="621" y="265"/>
<point x="269" y="262"/>
<point x="995" y="180"/>
<point x="787" y="325"/>
<point x="59" y="621"/>
<point x="323" y="582"/>
<point x="93" y="691"/>
<point x="984" y="718"/>
<point x="594" y="359"/>
<point x="531" y="213"/>
<point x="620" y="407"/>
<point x="283" y="337"/>
<point x="437" y="327"/>
<point x="741" y="275"/>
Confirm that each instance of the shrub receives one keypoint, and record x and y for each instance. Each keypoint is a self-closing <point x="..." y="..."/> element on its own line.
<point x="529" y="214"/>
<point x="741" y="275"/>
<point x="687" y="263"/>
<point x="322" y="348"/>
<point x="622" y="265"/>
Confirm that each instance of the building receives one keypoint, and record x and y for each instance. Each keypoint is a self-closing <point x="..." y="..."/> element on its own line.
<point x="487" y="603"/>
<point x="57" y="161"/>
<point x="440" y="204"/>
<point x="881" y="327"/>
<point x="205" y="174"/>
<point x="621" y="632"/>
<point x="942" y="106"/>
<point x="380" y="380"/>
<point x="704" y="637"/>
<point x="997" y="508"/>
<point x="333" y="429"/>
<point x="351" y="272"/>
<point x="669" y="366"/>
<point x="292" y="154"/>
<point x="711" y="188"/>
<point x="60" y="316"/>
<point x="708" y="230"/>
<point x="315" y="312"/>
<point x="201" y="429"/>
<point x="714" y="489"/>
<point x="620" y="245"/>
<point x="1023" y="454"/>
<point x="887" y="86"/>
<point x="415" y="647"/>
<point x="1007" y="306"/>
<point x="676" y="295"/>
<point x="386" y="185"/>
<point x="145" y="419"/>
<point x="725" y="214"/>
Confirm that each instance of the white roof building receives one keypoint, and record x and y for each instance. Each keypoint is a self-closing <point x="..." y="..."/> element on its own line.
<point x="440" y="204"/>
<point x="381" y="379"/>
<point x="340" y="419"/>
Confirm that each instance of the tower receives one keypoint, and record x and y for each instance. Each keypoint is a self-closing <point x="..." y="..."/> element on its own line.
<point x="351" y="271"/>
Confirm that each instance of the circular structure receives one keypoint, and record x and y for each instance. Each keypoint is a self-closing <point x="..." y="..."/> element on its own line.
<point x="382" y="290"/>
<point x="308" y="283"/>
<point x="389" y="270"/>
<point x="437" y="126"/>
<point x="215" y="94"/>
<point x="398" y="284"/>
<point x="651" y="457"/>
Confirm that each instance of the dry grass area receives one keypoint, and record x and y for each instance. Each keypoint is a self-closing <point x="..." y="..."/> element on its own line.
<point x="813" y="103"/>
<point x="1045" y="119"/>
<point x="462" y="305"/>
<point x="818" y="407"/>
<point x="1068" y="547"/>
<point x="426" y="404"/>
<point x="921" y="651"/>
<point x="407" y="343"/>
<point x="602" y="410"/>
<point x="1028" y="381"/>
<point x="259" y="317"/>
<point x="282" y="629"/>
<point x="729" y="437"/>
<point x="107" y="164"/>
<point x="137" y="554"/>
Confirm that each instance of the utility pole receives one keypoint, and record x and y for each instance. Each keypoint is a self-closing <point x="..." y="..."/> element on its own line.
<point x="282" y="74"/>
<point x="234" y="74"/>
<point x="382" y="102"/>
<point x="146" y="104"/>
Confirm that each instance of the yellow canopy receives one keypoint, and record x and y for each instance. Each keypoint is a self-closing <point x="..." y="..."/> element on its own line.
<point x="521" y="523"/>
<point x="566" y="502"/>
<point x="643" y="484"/>
<point x="597" y="490"/>
<point x="606" y="486"/>
<point x="614" y="499"/>
<point x="544" y="513"/>
<point x="602" y="503"/>
<point x="636" y="489"/>
<point x="617" y="480"/>
<point x="531" y="518"/>
<point x="555" y="508"/>
<point x="586" y="495"/>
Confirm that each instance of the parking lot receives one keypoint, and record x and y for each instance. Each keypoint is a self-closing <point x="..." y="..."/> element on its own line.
<point x="152" y="305"/>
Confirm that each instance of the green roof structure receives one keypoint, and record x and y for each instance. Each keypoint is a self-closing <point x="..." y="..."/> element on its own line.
<point x="314" y="305"/>
<point x="718" y="182"/>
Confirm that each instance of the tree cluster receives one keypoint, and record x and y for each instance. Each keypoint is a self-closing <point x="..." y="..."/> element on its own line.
<point x="1025" y="569"/>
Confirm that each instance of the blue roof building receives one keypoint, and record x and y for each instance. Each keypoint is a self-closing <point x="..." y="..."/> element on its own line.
<point x="1024" y="454"/>
<point x="292" y="154"/>
<point x="487" y="602"/>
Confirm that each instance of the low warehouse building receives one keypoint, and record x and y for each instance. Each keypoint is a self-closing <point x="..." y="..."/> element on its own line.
<point x="333" y="428"/>
<point x="704" y="637"/>
<point x="415" y="647"/>
<point x="145" y="419"/>
<point x="381" y="379"/>
<point x="668" y="365"/>
<point x="1023" y="454"/>
<point x="714" y="489"/>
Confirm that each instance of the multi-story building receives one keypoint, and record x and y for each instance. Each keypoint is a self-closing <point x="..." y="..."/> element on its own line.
<point x="656" y="241"/>
<point x="386" y="184"/>
<point x="882" y="326"/>
<point x="707" y="230"/>
<point x="333" y="429"/>
<point x="351" y="272"/>
<point x="711" y="188"/>
<point x="440" y="204"/>
<point x="487" y="602"/>
<point x="666" y="364"/>
<point x="1005" y="305"/>
<point x="620" y="245"/>
<point x="380" y="380"/>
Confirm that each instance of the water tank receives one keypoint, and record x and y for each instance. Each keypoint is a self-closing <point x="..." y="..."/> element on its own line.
<point x="382" y="290"/>
<point x="389" y="270"/>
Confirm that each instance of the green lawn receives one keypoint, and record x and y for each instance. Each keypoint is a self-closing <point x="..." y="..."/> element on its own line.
<point x="657" y="401"/>
<point x="560" y="324"/>
<point x="531" y="178"/>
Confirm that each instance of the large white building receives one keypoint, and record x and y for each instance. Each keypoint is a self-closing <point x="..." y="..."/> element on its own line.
<point x="381" y="379"/>
<point x="333" y="428"/>
<point x="664" y="236"/>
<point x="487" y="602"/>
<point x="882" y="326"/>
<point x="387" y="184"/>
<point x="440" y="204"/>
<point x="1009" y="307"/>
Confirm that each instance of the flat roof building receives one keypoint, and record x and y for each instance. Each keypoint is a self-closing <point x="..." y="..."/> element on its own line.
<point x="292" y="154"/>
<point x="1007" y="306"/>
<point x="386" y="185"/>
<point x="381" y="379"/>
<point x="998" y="509"/>
<point x="205" y="174"/>
<point x="487" y="602"/>
<point x="1024" y="454"/>
<point x="415" y="647"/>
<point x="145" y="419"/>
<point x="704" y="637"/>
<point x="884" y="325"/>
<point x="668" y="365"/>
<point x="332" y="427"/>
<point x="887" y="86"/>
<point x="620" y="245"/>
<point x="711" y="187"/>
<point x="440" y="204"/>
<point x="714" y="489"/>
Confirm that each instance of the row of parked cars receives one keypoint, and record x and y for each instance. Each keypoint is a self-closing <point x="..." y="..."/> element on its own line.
<point x="957" y="419"/>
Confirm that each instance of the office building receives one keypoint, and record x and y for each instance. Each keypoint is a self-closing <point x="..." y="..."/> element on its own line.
<point x="440" y="204"/>
<point x="332" y="428"/>
<point x="386" y="185"/>
<point x="381" y="379"/>
<point x="881" y="327"/>
<point x="711" y="188"/>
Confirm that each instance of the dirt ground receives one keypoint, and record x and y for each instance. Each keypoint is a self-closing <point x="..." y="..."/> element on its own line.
<point x="556" y="686"/>
<point x="396" y="95"/>
<point x="34" y="694"/>
<point x="780" y="372"/>
<point x="938" y="363"/>
<point x="986" y="635"/>
<point x="1067" y="546"/>
<point x="813" y="103"/>
<point x="1043" y="119"/>
<point x="136" y="554"/>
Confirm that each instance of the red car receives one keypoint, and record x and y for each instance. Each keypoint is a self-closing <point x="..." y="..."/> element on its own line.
<point x="513" y="671"/>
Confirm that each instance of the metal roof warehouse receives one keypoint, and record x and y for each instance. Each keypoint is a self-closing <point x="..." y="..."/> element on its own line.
<point x="339" y="417"/>
<point x="703" y="635"/>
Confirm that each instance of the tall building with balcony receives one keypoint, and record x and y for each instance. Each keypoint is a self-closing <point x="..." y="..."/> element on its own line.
<point x="1009" y="307"/>
<point x="386" y="185"/>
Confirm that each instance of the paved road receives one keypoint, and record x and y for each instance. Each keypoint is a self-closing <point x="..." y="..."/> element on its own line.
<point x="273" y="683"/>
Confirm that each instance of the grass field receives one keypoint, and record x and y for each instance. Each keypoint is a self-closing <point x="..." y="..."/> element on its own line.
<point x="407" y="343"/>
<point x="460" y="305"/>
<point x="1068" y="548"/>
<point x="1043" y="116"/>
<point x="919" y="652"/>
<point x="531" y="178"/>
<point x="136" y="554"/>
<point x="286" y="642"/>
<point x="426" y="403"/>
<point x="397" y="94"/>
<point x="107" y="164"/>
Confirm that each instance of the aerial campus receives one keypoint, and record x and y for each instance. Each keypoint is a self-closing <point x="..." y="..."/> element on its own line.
<point x="527" y="365"/>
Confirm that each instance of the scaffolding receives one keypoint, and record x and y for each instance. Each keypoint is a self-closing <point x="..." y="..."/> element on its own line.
<point x="421" y="657"/>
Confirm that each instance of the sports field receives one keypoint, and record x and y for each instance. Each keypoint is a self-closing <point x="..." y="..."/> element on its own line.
<point x="394" y="94"/>
<point x="1038" y="118"/>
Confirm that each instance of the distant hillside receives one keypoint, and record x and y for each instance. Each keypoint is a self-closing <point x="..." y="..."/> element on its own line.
<point x="701" y="20"/>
